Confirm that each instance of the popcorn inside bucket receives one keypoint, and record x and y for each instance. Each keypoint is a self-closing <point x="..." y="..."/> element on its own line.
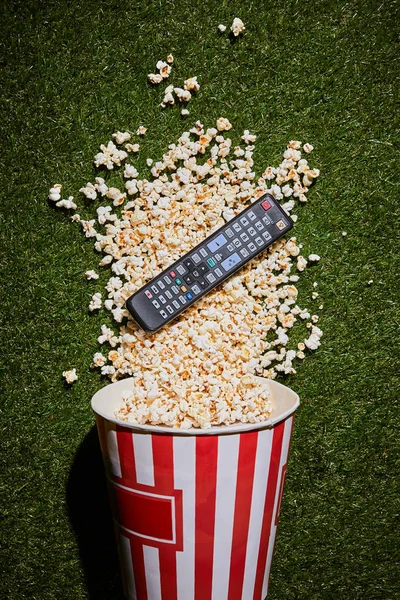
<point x="198" y="371"/>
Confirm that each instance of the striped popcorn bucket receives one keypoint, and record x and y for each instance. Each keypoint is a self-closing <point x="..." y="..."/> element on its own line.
<point x="196" y="511"/>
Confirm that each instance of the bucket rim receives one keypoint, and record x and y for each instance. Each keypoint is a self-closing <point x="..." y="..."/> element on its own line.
<point x="235" y="428"/>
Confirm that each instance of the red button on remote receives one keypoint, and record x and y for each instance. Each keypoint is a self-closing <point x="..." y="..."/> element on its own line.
<point x="172" y="273"/>
<point x="266" y="205"/>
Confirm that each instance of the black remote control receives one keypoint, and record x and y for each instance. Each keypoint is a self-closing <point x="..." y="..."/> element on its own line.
<point x="209" y="263"/>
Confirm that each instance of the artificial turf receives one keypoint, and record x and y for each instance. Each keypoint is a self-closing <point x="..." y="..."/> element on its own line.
<point x="320" y="71"/>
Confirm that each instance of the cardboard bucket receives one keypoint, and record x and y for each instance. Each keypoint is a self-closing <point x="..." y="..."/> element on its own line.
<point x="196" y="511"/>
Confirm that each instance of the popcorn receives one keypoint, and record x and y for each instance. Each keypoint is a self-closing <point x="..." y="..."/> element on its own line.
<point x="164" y="69"/>
<point x="155" y="78"/>
<point x="91" y="275"/>
<point x="344" y="233"/>
<point x="170" y="59"/>
<point x="141" y="130"/>
<point x="68" y="204"/>
<point x="184" y="112"/>
<point x="237" y="27"/>
<point x="223" y="124"/>
<point x="109" y="156"/>
<point x="120" y="137"/>
<point x="70" y="376"/>
<point x="308" y="148"/>
<point x="192" y="84"/>
<point x="132" y="147"/>
<point x="222" y="28"/>
<point x="199" y="371"/>
<point x="55" y="192"/>
<point x="90" y="192"/>
<point x="95" y="303"/>
<point x="314" y="258"/>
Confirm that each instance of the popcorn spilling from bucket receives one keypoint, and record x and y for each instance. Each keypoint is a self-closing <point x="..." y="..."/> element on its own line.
<point x="199" y="370"/>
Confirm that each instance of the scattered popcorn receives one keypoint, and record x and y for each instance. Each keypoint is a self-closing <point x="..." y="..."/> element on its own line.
<point x="68" y="204"/>
<point x="170" y="59"/>
<point x="199" y="371"/>
<point x="314" y="258"/>
<point x="315" y="318"/>
<point x="109" y="156"/>
<point x="344" y="233"/>
<point x="155" y="78"/>
<point x="141" y="130"/>
<point x="91" y="275"/>
<point x="164" y="69"/>
<point x="132" y="147"/>
<point x="237" y="27"/>
<point x="120" y="137"/>
<point x="70" y="376"/>
<point x="314" y="295"/>
<point x="192" y="84"/>
<point x="321" y="306"/>
<point x="95" y="303"/>
<point x="308" y="148"/>
<point x="184" y="112"/>
<point x="76" y="218"/>
<point x="222" y="28"/>
<point x="90" y="192"/>
<point x="55" y="192"/>
<point x="223" y="124"/>
<point x="370" y="282"/>
<point x="149" y="162"/>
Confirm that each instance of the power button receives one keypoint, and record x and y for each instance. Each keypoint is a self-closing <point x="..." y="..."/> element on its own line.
<point x="266" y="205"/>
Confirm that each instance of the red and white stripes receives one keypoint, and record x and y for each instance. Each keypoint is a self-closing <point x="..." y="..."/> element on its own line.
<point x="196" y="515"/>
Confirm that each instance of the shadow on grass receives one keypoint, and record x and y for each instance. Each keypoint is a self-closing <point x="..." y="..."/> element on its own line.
<point x="90" y="516"/>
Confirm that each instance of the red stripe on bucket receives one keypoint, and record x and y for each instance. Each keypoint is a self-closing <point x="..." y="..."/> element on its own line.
<point x="206" y="479"/>
<point x="244" y="490"/>
<point x="126" y="457"/>
<point x="268" y="508"/>
<point x="163" y="458"/>
<point x="138" y="568"/>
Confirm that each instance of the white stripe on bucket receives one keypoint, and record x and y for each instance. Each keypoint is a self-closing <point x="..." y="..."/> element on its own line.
<point x="283" y="460"/>
<point x="112" y="446"/>
<point x="127" y="567"/>
<point x="261" y="473"/>
<point x="143" y="451"/>
<point x="152" y="571"/>
<point x="184" y="479"/>
<point x="228" y="453"/>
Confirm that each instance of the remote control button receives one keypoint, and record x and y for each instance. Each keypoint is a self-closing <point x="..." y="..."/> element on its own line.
<point x="156" y="304"/>
<point x="189" y="296"/>
<point x="237" y="227"/>
<point x="203" y="252"/>
<point x="175" y="289"/>
<point x="178" y="281"/>
<point x="176" y="304"/>
<point x="230" y="247"/>
<point x="196" y="259"/>
<point x="218" y="257"/>
<point x="267" y="236"/>
<point x="259" y="241"/>
<point x="229" y="233"/>
<point x="244" y="253"/>
<point x="196" y="273"/>
<point x="163" y="314"/>
<point x="210" y="277"/>
<point x="148" y="294"/>
<point x="173" y="274"/>
<point x="259" y="226"/>
<point x="161" y="285"/>
<point x="167" y="280"/>
<point x="183" y="288"/>
<point x="168" y="294"/>
<point x="154" y="289"/>
<point x="281" y="224"/>
<point x="217" y="243"/>
<point x="210" y="262"/>
<point x="237" y="243"/>
<point x="162" y="299"/>
<point x="203" y="283"/>
<point x="244" y="221"/>
<point x="170" y="309"/>
<point x="218" y="272"/>
<point x="252" y="231"/>
<point x="266" y="205"/>
<point x="251" y="216"/>
<point x="244" y="237"/>
<point x="203" y="268"/>
<point x="189" y="264"/>
<point x="181" y="269"/>
<point x="196" y="289"/>
<point x="267" y="220"/>
<point x="182" y="299"/>
<point x="252" y="247"/>
<point x="189" y="279"/>
<point x="231" y="262"/>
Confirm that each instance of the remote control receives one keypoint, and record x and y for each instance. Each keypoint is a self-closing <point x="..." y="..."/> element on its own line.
<point x="209" y="263"/>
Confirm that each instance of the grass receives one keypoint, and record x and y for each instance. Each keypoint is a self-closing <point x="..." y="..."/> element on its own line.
<point x="321" y="71"/>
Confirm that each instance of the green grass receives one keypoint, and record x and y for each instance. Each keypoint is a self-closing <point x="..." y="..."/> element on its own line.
<point x="321" y="71"/>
